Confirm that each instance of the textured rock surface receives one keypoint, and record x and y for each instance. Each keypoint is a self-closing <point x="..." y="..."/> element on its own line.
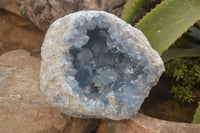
<point x="43" y="13"/>
<point x="10" y="5"/>
<point x="23" y="108"/>
<point x="18" y="33"/>
<point x="96" y="65"/>
<point x="144" y="124"/>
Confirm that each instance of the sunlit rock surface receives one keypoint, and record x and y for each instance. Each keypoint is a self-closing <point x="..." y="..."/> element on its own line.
<point x="96" y="65"/>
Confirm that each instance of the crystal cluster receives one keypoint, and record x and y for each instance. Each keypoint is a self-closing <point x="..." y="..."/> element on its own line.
<point x="96" y="65"/>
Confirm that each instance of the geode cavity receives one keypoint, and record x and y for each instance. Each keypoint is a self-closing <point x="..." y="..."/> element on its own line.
<point x="94" y="65"/>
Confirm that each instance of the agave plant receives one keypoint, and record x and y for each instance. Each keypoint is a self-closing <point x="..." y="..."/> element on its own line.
<point x="166" y="23"/>
<point x="196" y="119"/>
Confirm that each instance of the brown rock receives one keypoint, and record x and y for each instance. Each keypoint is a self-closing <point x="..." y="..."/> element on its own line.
<point x="43" y="13"/>
<point x="144" y="124"/>
<point x="10" y="5"/>
<point x="23" y="109"/>
<point x="18" y="33"/>
<point x="81" y="125"/>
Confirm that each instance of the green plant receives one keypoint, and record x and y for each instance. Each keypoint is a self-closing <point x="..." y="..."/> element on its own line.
<point x="130" y="9"/>
<point x="165" y="23"/>
<point x="186" y="74"/>
<point x="163" y="26"/>
<point x="196" y="119"/>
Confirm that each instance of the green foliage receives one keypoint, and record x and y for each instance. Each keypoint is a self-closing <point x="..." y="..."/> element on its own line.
<point x="183" y="94"/>
<point x="163" y="26"/>
<point x="186" y="46"/>
<point x="196" y="119"/>
<point x="186" y="74"/>
<point x="130" y="9"/>
<point x="168" y="21"/>
<point x="165" y="23"/>
<point x="179" y="52"/>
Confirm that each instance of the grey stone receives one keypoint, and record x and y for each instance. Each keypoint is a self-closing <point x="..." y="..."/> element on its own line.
<point x="45" y="12"/>
<point x="94" y="65"/>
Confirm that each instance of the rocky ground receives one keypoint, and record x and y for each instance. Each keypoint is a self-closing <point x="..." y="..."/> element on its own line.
<point x="23" y="108"/>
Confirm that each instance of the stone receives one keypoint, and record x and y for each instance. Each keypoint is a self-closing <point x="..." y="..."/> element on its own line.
<point x="43" y="13"/>
<point x="94" y="65"/>
<point x="11" y="6"/>
<point x="23" y="109"/>
<point x="144" y="124"/>
<point x="18" y="33"/>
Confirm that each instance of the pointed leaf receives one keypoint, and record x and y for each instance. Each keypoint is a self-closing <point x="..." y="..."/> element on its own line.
<point x="196" y="119"/>
<point x="168" y="21"/>
<point x="130" y="9"/>
<point x="176" y="52"/>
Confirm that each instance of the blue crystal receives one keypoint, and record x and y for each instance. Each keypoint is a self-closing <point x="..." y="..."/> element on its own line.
<point x="105" y="76"/>
<point x="84" y="77"/>
<point x="106" y="63"/>
<point x="100" y="65"/>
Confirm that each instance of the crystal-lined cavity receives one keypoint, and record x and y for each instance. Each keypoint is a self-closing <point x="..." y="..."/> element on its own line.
<point x="102" y="64"/>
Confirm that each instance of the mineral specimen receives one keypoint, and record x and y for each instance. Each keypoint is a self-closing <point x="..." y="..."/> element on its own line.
<point x="94" y="65"/>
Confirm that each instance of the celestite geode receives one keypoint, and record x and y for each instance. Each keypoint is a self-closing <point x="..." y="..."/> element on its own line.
<point x="94" y="65"/>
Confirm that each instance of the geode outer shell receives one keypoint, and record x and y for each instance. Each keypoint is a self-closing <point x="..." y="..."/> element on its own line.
<point x="94" y="65"/>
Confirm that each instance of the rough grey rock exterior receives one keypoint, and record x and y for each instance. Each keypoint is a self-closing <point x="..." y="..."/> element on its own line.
<point x="45" y="12"/>
<point x="94" y="65"/>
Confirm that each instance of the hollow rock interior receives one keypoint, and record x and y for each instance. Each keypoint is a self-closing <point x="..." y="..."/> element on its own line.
<point x="104" y="69"/>
<point x="95" y="65"/>
<point x="100" y="67"/>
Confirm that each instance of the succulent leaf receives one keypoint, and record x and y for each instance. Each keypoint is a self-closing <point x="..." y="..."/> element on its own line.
<point x="196" y="119"/>
<point x="130" y="9"/>
<point x="168" y="21"/>
<point x="177" y="52"/>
